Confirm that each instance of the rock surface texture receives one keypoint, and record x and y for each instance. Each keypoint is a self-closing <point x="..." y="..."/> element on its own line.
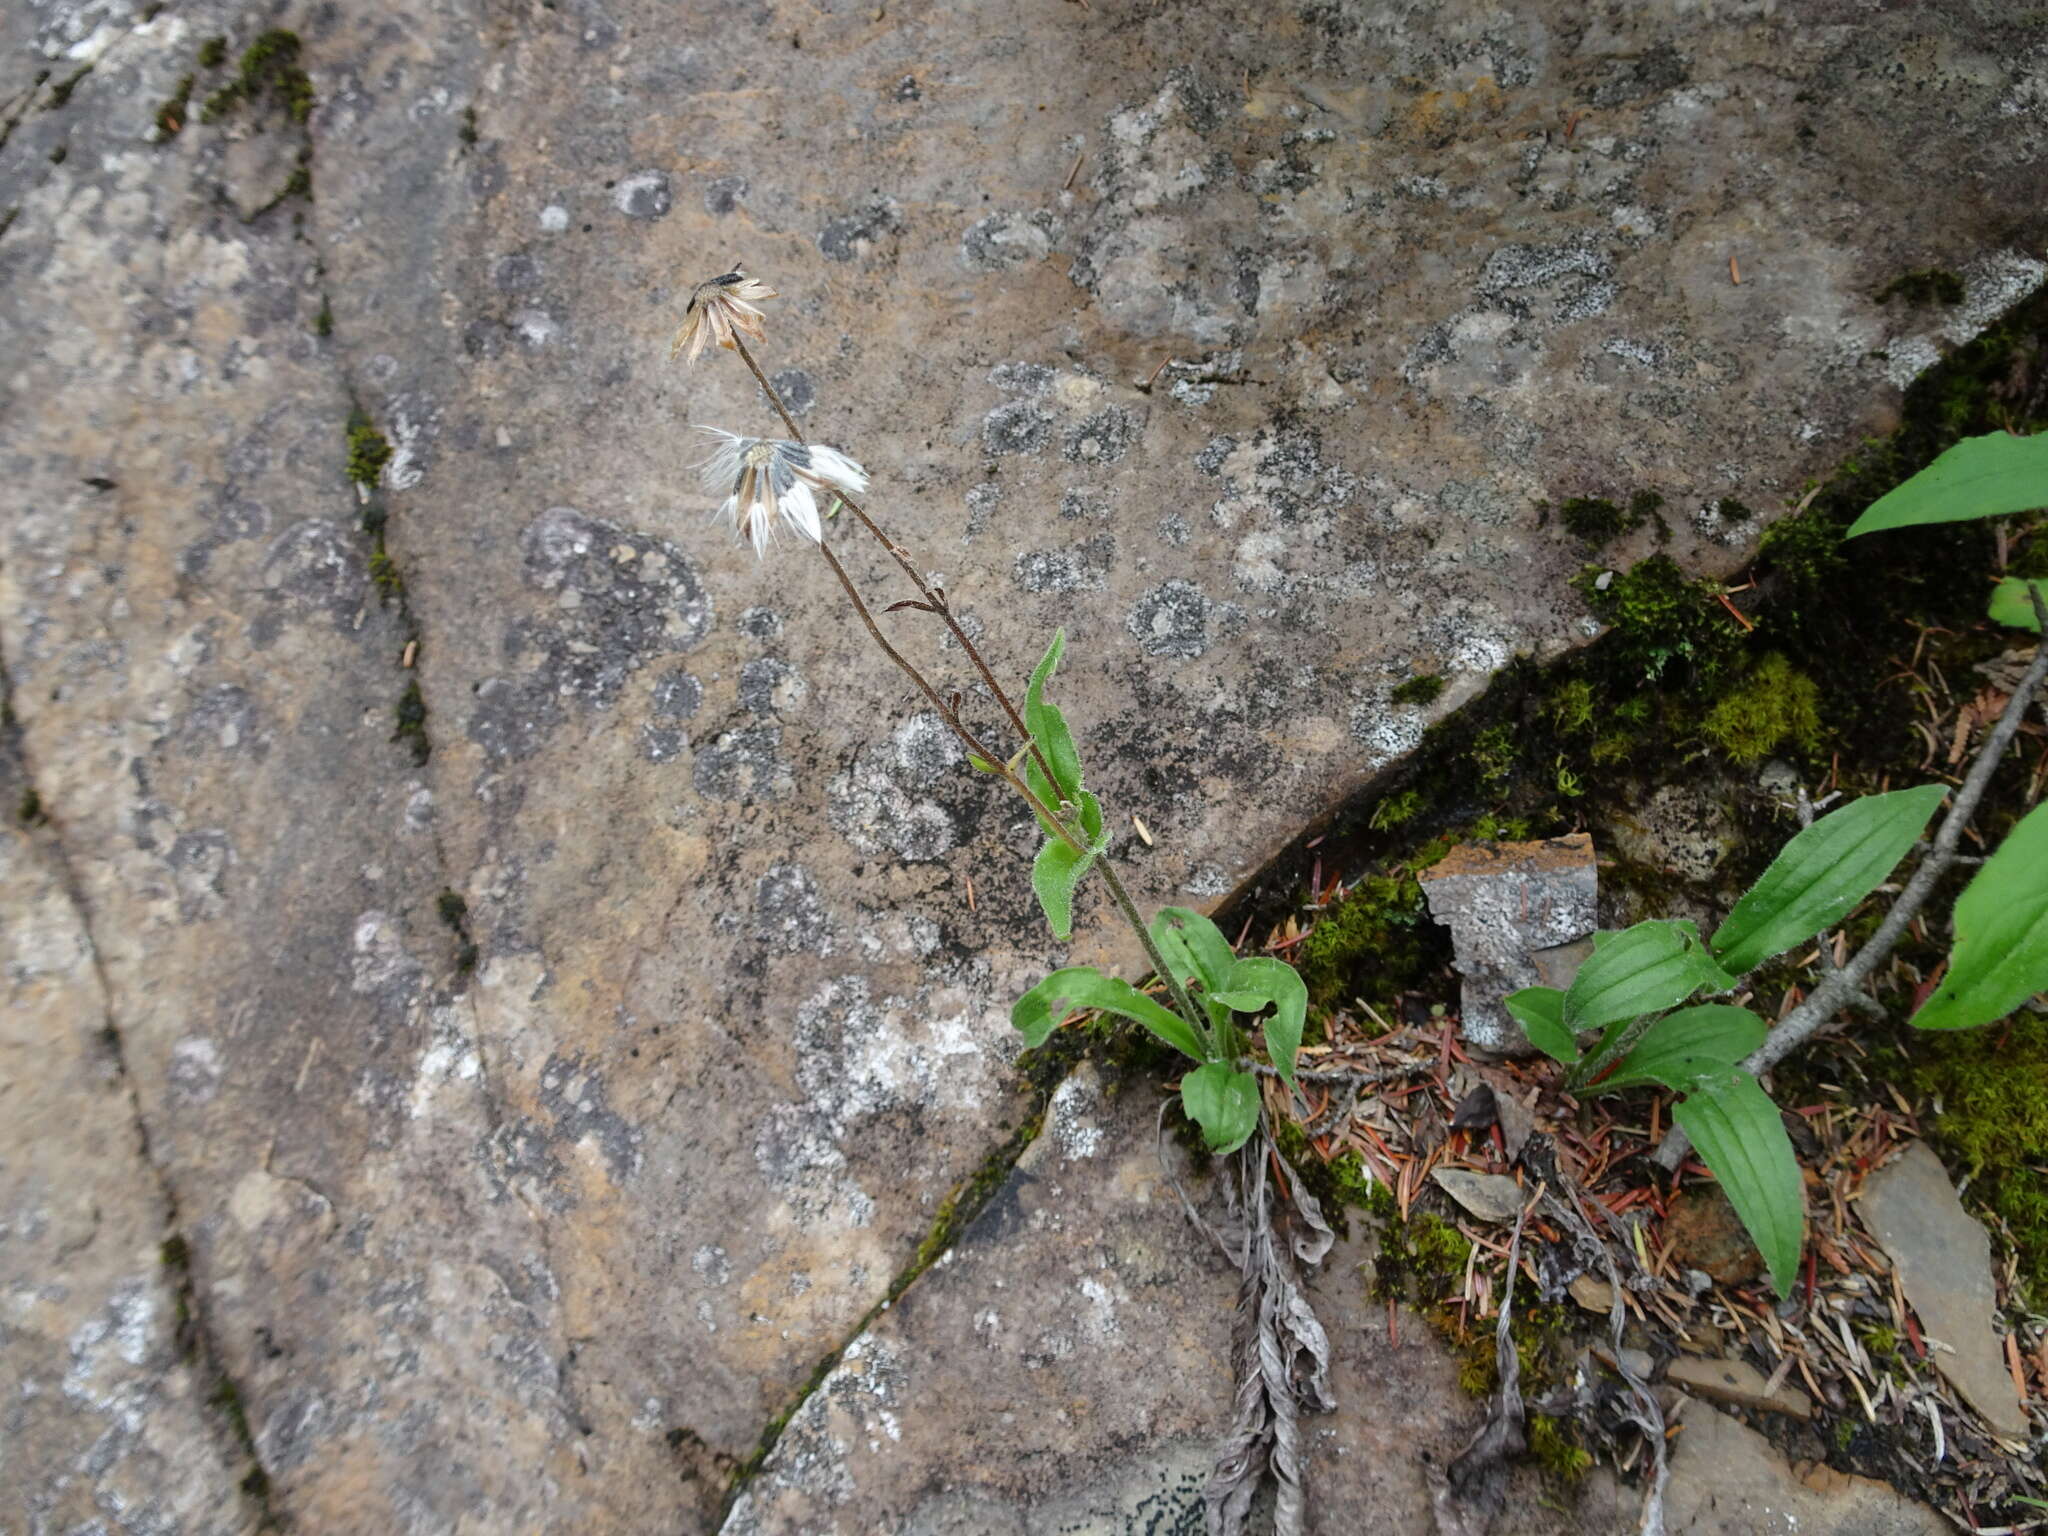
<point x="542" y="995"/>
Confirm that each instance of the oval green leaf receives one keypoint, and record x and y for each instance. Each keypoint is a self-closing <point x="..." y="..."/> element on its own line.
<point x="1640" y="970"/>
<point x="1054" y="874"/>
<point x="1048" y="727"/>
<point x="1193" y="946"/>
<point x="1223" y="1102"/>
<point x="1980" y="477"/>
<point x="2001" y="954"/>
<point x="1819" y="877"/>
<point x="2011" y="606"/>
<point x="1682" y="1047"/>
<point x="1038" y="1012"/>
<point x="1540" y="1012"/>
<point x="1741" y="1138"/>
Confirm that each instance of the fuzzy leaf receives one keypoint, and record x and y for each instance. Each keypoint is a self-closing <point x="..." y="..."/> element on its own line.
<point x="1740" y="1136"/>
<point x="1683" y="1047"/>
<point x="1540" y="1012"/>
<point x="1193" y="946"/>
<point x="2010" y="604"/>
<point x="1224" y="1103"/>
<point x="1054" y="874"/>
<point x="1980" y="477"/>
<point x="1048" y="726"/>
<point x="2001" y="954"/>
<point x="1258" y="980"/>
<point x="1819" y="877"/>
<point x="1038" y="1012"/>
<point x="1642" y="969"/>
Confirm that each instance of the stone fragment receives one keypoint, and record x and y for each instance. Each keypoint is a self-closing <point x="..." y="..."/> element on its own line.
<point x="1728" y="1480"/>
<point x="1592" y="1293"/>
<point x="1706" y="1234"/>
<point x="1944" y="1263"/>
<point x="1489" y="1196"/>
<point x="1737" y="1382"/>
<point x="1503" y="902"/>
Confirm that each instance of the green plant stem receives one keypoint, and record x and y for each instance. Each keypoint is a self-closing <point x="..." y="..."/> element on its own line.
<point x="1837" y="987"/>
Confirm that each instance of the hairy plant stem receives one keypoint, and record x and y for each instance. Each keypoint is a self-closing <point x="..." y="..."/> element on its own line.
<point x="935" y="601"/>
<point x="1838" y="986"/>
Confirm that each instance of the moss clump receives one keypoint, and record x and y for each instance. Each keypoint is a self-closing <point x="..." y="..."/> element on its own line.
<point x="1992" y="1085"/>
<point x="60" y="93"/>
<point x="170" y="117"/>
<point x="1494" y="752"/>
<point x="368" y="449"/>
<point x="323" y="322"/>
<point x="467" y="133"/>
<point x="29" y="811"/>
<point x="175" y="1252"/>
<point x="1554" y="1445"/>
<point x="1397" y="809"/>
<point x="1374" y="924"/>
<point x="270" y="63"/>
<point x="1773" y="705"/>
<point x="412" y="722"/>
<point x="213" y="53"/>
<point x="1424" y="688"/>
<point x="1593" y="519"/>
<point x="1929" y="285"/>
<point x="1659" y="615"/>
<point x="1570" y="706"/>
<point x="1729" y="510"/>
<point x="384" y="574"/>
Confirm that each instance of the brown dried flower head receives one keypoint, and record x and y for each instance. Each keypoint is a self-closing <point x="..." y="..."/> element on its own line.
<point x="719" y="308"/>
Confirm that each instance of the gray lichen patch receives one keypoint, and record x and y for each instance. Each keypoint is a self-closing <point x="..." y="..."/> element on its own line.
<point x="1082" y="567"/>
<point x="1177" y="619"/>
<point x="906" y="794"/>
<point x="619" y="601"/>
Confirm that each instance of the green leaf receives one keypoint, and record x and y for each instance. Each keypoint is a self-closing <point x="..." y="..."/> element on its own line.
<point x="1193" y="946"/>
<point x="1682" y="1047"/>
<point x="1540" y="1012"/>
<point x="1819" y="877"/>
<point x="1224" y="1103"/>
<point x="1741" y="1137"/>
<point x="1258" y="980"/>
<point x="1054" y="874"/>
<point x="1979" y="477"/>
<point x="2001" y="953"/>
<point x="1640" y="970"/>
<point x="1038" y="1012"/>
<point x="1048" y="726"/>
<point x="2010" y="605"/>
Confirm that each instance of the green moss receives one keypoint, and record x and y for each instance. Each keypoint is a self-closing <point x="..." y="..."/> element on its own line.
<point x="29" y="809"/>
<point x="60" y="93"/>
<point x="384" y="574"/>
<point x="1660" y="615"/>
<point x="213" y="53"/>
<point x="368" y="449"/>
<point x="175" y="1252"/>
<point x="1373" y="928"/>
<point x="1929" y="285"/>
<point x="1495" y="751"/>
<point x="1992" y="1088"/>
<point x="1773" y="705"/>
<point x="271" y="64"/>
<point x="1423" y="688"/>
<point x="170" y="117"/>
<point x="412" y="722"/>
<point x="1570" y="706"/>
<point x="1397" y="809"/>
<point x="323" y="322"/>
<point x="1732" y="511"/>
<point x="60" y="154"/>
<point x="467" y="133"/>
<point x="1555" y="1447"/>
<point x="1593" y="519"/>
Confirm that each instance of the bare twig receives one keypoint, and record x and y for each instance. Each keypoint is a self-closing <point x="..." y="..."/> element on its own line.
<point x="1839" y="986"/>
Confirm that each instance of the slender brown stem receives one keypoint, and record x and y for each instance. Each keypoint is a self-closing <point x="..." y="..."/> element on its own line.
<point x="946" y="711"/>
<point x="934" y="599"/>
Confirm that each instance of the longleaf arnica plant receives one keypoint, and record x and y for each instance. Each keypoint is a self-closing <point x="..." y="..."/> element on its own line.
<point x="1215" y="1001"/>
